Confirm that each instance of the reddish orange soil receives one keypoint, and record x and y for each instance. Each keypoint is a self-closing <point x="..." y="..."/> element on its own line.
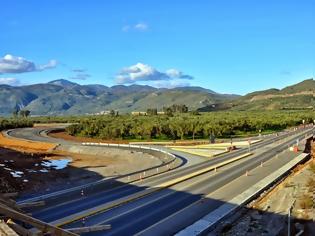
<point x="25" y="146"/>
<point x="65" y="136"/>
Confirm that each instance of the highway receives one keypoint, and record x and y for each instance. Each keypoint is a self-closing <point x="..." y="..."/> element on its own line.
<point x="33" y="134"/>
<point x="164" y="212"/>
<point x="151" y="214"/>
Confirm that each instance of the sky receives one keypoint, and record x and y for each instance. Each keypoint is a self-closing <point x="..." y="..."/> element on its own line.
<point x="224" y="45"/>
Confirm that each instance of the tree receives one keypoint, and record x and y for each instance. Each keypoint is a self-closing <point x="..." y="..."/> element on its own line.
<point x="152" y="111"/>
<point x="15" y="112"/>
<point x="176" y="108"/>
<point x="194" y="126"/>
<point x="25" y="113"/>
<point x="112" y="112"/>
<point x="168" y="111"/>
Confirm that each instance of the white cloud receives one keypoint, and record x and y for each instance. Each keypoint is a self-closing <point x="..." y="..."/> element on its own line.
<point x="143" y="72"/>
<point x="80" y="76"/>
<point x="141" y="26"/>
<point x="78" y="70"/>
<point x="51" y="64"/>
<point x="174" y="73"/>
<point x="136" y="27"/>
<point x="170" y="84"/>
<point x="14" y="64"/>
<point x="9" y="81"/>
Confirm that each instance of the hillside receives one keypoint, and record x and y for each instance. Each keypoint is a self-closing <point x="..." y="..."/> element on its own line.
<point x="62" y="97"/>
<point x="297" y="96"/>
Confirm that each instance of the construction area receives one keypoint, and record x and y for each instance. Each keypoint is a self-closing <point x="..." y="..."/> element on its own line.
<point x="31" y="168"/>
<point x="286" y="209"/>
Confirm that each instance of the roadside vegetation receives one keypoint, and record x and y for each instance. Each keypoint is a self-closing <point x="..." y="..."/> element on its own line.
<point x="188" y="125"/>
<point x="12" y="123"/>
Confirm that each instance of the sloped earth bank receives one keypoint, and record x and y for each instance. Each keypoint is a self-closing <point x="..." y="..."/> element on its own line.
<point x="269" y="214"/>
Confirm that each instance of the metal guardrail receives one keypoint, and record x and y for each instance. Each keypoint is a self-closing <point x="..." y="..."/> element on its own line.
<point x="170" y="164"/>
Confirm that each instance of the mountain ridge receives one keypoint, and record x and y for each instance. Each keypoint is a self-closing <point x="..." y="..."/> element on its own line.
<point x="63" y="97"/>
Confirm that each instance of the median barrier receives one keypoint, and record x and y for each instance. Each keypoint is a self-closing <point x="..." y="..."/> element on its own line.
<point x="107" y="206"/>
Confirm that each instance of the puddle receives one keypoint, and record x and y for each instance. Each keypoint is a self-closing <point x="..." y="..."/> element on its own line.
<point x="6" y="161"/>
<point x="57" y="164"/>
<point x="16" y="174"/>
<point x="43" y="167"/>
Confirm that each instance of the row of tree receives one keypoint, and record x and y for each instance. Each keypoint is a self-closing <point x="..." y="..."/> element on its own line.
<point x="169" y="111"/>
<point x="175" y="108"/>
<point x="21" y="113"/>
<point x="186" y="125"/>
<point x="14" y="123"/>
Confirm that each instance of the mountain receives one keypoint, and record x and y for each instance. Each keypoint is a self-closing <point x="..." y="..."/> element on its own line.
<point x="62" y="97"/>
<point x="297" y="96"/>
<point x="63" y="83"/>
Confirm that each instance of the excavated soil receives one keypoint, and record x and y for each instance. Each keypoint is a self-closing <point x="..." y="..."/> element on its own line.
<point x="23" y="165"/>
<point x="24" y="145"/>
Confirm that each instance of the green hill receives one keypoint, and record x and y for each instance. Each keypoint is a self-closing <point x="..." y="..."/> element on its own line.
<point x="298" y="96"/>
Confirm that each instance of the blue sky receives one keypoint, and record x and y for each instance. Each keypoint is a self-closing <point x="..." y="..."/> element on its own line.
<point x="227" y="46"/>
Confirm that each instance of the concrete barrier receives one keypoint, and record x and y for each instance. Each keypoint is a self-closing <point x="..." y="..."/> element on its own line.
<point x="208" y="222"/>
